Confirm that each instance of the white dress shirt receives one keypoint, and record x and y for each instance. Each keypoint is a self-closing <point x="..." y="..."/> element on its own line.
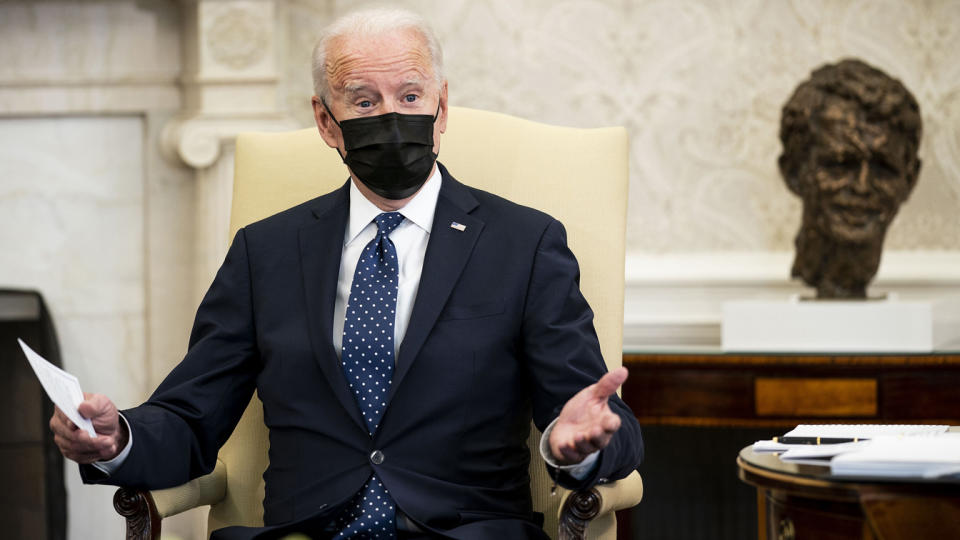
<point x="410" y="238"/>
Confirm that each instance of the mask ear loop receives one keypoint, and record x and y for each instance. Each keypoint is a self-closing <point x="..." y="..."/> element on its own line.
<point x="334" y="118"/>
<point x="343" y="156"/>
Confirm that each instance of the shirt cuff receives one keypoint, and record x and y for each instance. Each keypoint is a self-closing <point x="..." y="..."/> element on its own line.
<point x="578" y="471"/>
<point x="108" y="467"/>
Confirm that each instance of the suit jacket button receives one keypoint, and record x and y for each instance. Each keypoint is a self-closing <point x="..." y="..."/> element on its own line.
<point x="376" y="457"/>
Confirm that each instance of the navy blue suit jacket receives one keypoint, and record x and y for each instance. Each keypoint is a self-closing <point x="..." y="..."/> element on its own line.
<point x="499" y="333"/>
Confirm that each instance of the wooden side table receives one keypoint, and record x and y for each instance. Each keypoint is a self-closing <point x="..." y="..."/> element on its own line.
<point x="699" y="407"/>
<point x="805" y="501"/>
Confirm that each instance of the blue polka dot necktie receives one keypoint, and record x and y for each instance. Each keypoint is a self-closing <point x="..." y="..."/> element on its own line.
<point x="367" y="356"/>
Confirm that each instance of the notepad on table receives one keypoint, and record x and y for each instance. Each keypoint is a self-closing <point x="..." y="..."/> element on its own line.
<point x="842" y="433"/>
<point x="835" y="438"/>
<point x="902" y="457"/>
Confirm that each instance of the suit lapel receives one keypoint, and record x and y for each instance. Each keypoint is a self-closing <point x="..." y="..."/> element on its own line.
<point x="447" y="253"/>
<point x="321" y="244"/>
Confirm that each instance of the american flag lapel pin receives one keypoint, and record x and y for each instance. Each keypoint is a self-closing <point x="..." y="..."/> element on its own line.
<point x="458" y="226"/>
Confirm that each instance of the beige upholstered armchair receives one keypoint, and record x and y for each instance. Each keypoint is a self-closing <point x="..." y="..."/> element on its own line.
<point x="577" y="175"/>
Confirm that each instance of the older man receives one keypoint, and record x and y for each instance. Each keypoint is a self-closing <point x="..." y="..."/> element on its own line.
<point x="401" y="332"/>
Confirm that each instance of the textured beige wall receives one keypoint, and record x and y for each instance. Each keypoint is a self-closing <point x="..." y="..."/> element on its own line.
<point x="699" y="85"/>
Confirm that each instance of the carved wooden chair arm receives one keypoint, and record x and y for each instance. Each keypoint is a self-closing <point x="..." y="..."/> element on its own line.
<point x="144" y="509"/>
<point x="581" y="507"/>
<point x="137" y="508"/>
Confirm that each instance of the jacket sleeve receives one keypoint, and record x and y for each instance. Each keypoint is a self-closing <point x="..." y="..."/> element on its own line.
<point x="563" y="355"/>
<point x="178" y="432"/>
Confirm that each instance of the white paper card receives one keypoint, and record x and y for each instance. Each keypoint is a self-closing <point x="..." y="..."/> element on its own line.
<point x="62" y="388"/>
<point x="821" y="451"/>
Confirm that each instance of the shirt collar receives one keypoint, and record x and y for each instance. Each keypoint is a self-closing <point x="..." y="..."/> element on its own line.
<point x="419" y="210"/>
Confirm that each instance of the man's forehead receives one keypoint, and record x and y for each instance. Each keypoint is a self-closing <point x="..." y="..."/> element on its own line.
<point x="844" y="129"/>
<point x="402" y="54"/>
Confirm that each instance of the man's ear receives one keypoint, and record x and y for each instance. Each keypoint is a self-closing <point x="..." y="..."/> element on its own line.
<point x="790" y="173"/>
<point x="325" y="125"/>
<point x="914" y="174"/>
<point x="442" y="117"/>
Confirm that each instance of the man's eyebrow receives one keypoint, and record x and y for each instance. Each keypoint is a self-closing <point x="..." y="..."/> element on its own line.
<point x="355" y="88"/>
<point x="844" y="153"/>
<point x="840" y="152"/>
<point x="413" y="81"/>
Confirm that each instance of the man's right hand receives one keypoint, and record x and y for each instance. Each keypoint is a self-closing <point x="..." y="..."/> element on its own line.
<point x="76" y="444"/>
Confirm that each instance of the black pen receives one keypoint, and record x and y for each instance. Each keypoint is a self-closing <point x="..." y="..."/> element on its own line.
<point x="816" y="440"/>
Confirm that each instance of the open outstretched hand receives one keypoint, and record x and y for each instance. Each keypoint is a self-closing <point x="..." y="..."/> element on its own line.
<point x="586" y="423"/>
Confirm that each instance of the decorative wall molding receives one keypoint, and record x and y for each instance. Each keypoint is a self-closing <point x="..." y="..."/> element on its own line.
<point x="230" y="85"/>
<point x="675" y="300"/>
<point x="198" y="140"/>
<point x="230" y="57"/>
<point x="230" y="78"/>
<point x="73" y="97"/>
<point x="88" y="57"/>
<point x="239" y="38"/>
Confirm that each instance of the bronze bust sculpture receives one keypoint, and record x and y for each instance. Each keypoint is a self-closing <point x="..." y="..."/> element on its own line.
<point x="850" y="137"/>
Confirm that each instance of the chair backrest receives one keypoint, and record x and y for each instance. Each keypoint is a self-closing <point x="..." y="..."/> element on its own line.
<point x="579" y="176"/>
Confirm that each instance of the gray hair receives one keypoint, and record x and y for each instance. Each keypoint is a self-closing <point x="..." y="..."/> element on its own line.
<point x="372" y="22"/>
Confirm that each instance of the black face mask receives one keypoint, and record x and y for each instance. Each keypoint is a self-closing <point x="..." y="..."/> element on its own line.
<point x="392" y="154"/>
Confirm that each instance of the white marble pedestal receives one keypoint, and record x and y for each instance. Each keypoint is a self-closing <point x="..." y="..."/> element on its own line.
<point x="796" y="325"/>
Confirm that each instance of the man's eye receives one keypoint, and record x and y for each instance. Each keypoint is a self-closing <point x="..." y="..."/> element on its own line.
<point x="883" y="168"/>
<point x="365" y="104"/>
<point x="410" y="98"/>
<point x="840" y="167"/>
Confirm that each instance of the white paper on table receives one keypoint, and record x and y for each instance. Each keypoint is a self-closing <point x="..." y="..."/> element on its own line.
<point x="930" y="456"/>
<point x="820" y="453"/>
<point x="762" y="447"/>
<point x="776" y="447"/>
<point x="62" y="388"/>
